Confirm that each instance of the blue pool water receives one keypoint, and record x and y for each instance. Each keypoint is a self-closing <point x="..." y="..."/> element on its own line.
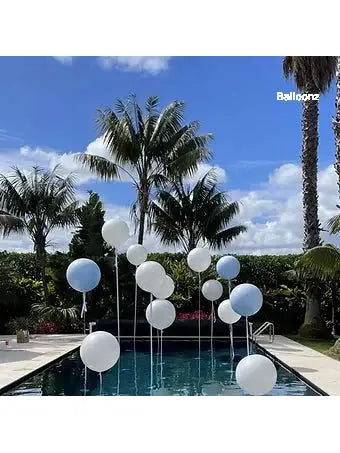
<point x="181" y="372"/>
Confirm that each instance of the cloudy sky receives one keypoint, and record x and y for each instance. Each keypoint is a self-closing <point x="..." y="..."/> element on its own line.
<point x="48" y="110"/>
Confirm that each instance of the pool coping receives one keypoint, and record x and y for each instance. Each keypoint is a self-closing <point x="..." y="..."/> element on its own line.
<point x="42" y="366"/>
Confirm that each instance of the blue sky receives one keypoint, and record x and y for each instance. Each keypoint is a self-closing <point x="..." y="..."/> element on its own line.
<point x="51" y="104"/>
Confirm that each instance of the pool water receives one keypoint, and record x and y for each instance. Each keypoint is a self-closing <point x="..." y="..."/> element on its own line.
<point x="182" y="371"/>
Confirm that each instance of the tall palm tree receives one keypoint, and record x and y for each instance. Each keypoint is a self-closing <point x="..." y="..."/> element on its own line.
<point x="37" y="203"/>
<point x="312" y="75"/>
<point x="150" y="147"/>
<point x="336" y="123"/>
<point x="186" y="216"/>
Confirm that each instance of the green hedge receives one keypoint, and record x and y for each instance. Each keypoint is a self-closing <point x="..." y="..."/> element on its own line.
<point x="19" y="288"/>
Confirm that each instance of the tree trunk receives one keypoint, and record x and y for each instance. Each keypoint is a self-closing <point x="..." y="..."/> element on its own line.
<point x="143" y="207"/>
<point x="313" y="325"/>
<point x="41" y="260"/>
<point x="336" y="124"/>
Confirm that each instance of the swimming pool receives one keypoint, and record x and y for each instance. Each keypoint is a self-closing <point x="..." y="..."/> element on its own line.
<point x="183" y="372"/>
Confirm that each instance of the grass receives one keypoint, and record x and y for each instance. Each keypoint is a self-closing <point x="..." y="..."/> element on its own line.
<point x="319" y="345"/>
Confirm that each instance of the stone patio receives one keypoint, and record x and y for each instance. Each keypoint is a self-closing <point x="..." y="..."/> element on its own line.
<point x="20" y="360"/>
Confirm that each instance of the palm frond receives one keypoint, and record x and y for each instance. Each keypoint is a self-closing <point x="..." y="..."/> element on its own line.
<point x="322" y="261"/>
<point x="106" y="169"/>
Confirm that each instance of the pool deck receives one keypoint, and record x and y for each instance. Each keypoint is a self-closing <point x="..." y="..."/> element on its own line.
<point x="320" y="370"/>
<point x="20" y="360"/>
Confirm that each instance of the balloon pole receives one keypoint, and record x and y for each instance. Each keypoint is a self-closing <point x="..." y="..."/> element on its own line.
<point x="157" y="341"/>
<point x="161" y="358"/>
<point x="118" y="377"/>
<point x="83" y="311"/>
<point x="247" y="333"/>
<point x="135" y="319"/>
<point x="100" y="384"/>
<point x="151" y="351"/>
<point x="85" y="380"/>
<point x="232" y="354"/>
<point x="212" y="324"/>
<point x="117" y="292"/>
<point x="135" y="369"/>
<point x="199" y="312"/>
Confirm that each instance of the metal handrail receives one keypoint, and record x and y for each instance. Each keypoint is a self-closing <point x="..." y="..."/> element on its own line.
<point x="271" y="331"/>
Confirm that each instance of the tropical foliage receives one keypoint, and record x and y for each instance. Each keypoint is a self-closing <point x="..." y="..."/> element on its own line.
<point x="188" y="216"/>
<point x="37" y="203"/>
<point x="150" y="147"/>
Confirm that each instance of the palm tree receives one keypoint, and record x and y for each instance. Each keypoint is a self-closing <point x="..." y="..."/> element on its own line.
<point x="187" y="216"/>
<point x="312" y="75"/>
<point x="150" y="147"/>
<point x="37" y="203"/>
<point x="336" y="124"/>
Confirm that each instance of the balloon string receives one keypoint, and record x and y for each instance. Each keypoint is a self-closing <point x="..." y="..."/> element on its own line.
<point x="199" y="313"/>
<point x="135" y="319"/>
<point x="151" y="351"/>
<point x="83" y="311"/>
<point x="161" y="358"/>
<point x="100" y="384"/>
<point x="212" y="324"/>
<point x="135" y="369"/>
<point x="157" y="342"/>
<point x="232" y="353"/>
<point x="85" y="380"/>
<point x="118" y="378"/>
<point x="247" y="332"/>
<point x="229" y="287"/>
<point x="117" y="293"/>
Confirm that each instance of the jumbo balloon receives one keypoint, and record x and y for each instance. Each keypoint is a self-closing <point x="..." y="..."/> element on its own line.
<point x="162" y="314"/>
<point x="115" y="232"/>
<point x="228" y="267"/>
<point x="136" y="254"/>
<point x="99" y="351"/>
<point x="256" y="374"/>
<point x="199" y="259"/>
<point x="166" y="289"/>
<point x="226" y="313"/>
<point x="150" y="276"/>
<point x="246" y="299"/>
<point x="83" y="275"/>
<point x="212" y="290"/>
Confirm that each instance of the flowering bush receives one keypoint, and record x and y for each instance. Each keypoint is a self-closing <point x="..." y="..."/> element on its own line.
<point x="193" y="315"/>
<point x="49" y="328"/>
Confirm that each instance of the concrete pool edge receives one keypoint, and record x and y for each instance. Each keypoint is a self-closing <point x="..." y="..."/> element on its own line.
<point x="316" y="369"/>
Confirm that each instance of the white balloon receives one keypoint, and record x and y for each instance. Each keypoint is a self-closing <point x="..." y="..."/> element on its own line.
<point x="136" y="254"/>
<point x="228" y="267"/>
<point x="226" y="312"/>
<point x="199" y="259"/>
<point x="256" y="374"/>
<point x="246" y="299"/>
<point x="166" y="289"/>
<point x="99" y="351"/>
<point x="150" y="276"/>
<point x="212" y="290"/>
<point x="115" y="232"/>
<point x="163" y="314"/>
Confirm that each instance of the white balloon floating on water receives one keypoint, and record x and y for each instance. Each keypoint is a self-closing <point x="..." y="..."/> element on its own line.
<point x="212" y="290"/>
<point x="256" y="375"/>
<point x="99" y="351"/>
<point x="246" y="299"/>
<point x="136" y="254"/>
<point x="166" y="289"/>
<point x="228" y="267"/>
<point x="150" y="276"/>
<point x="199" y="259"/>
<point x="115" y="232"/>
<point x="162" y="315"/>
<point x="226" y="313"/>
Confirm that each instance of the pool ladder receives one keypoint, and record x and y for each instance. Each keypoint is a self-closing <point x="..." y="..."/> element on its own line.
<point x="267" y="325"/>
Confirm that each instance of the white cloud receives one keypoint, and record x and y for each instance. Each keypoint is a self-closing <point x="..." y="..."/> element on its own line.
<point x="203" y="169"/>
<point x="152" y="65"/>
<point x="64" y="60"/>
